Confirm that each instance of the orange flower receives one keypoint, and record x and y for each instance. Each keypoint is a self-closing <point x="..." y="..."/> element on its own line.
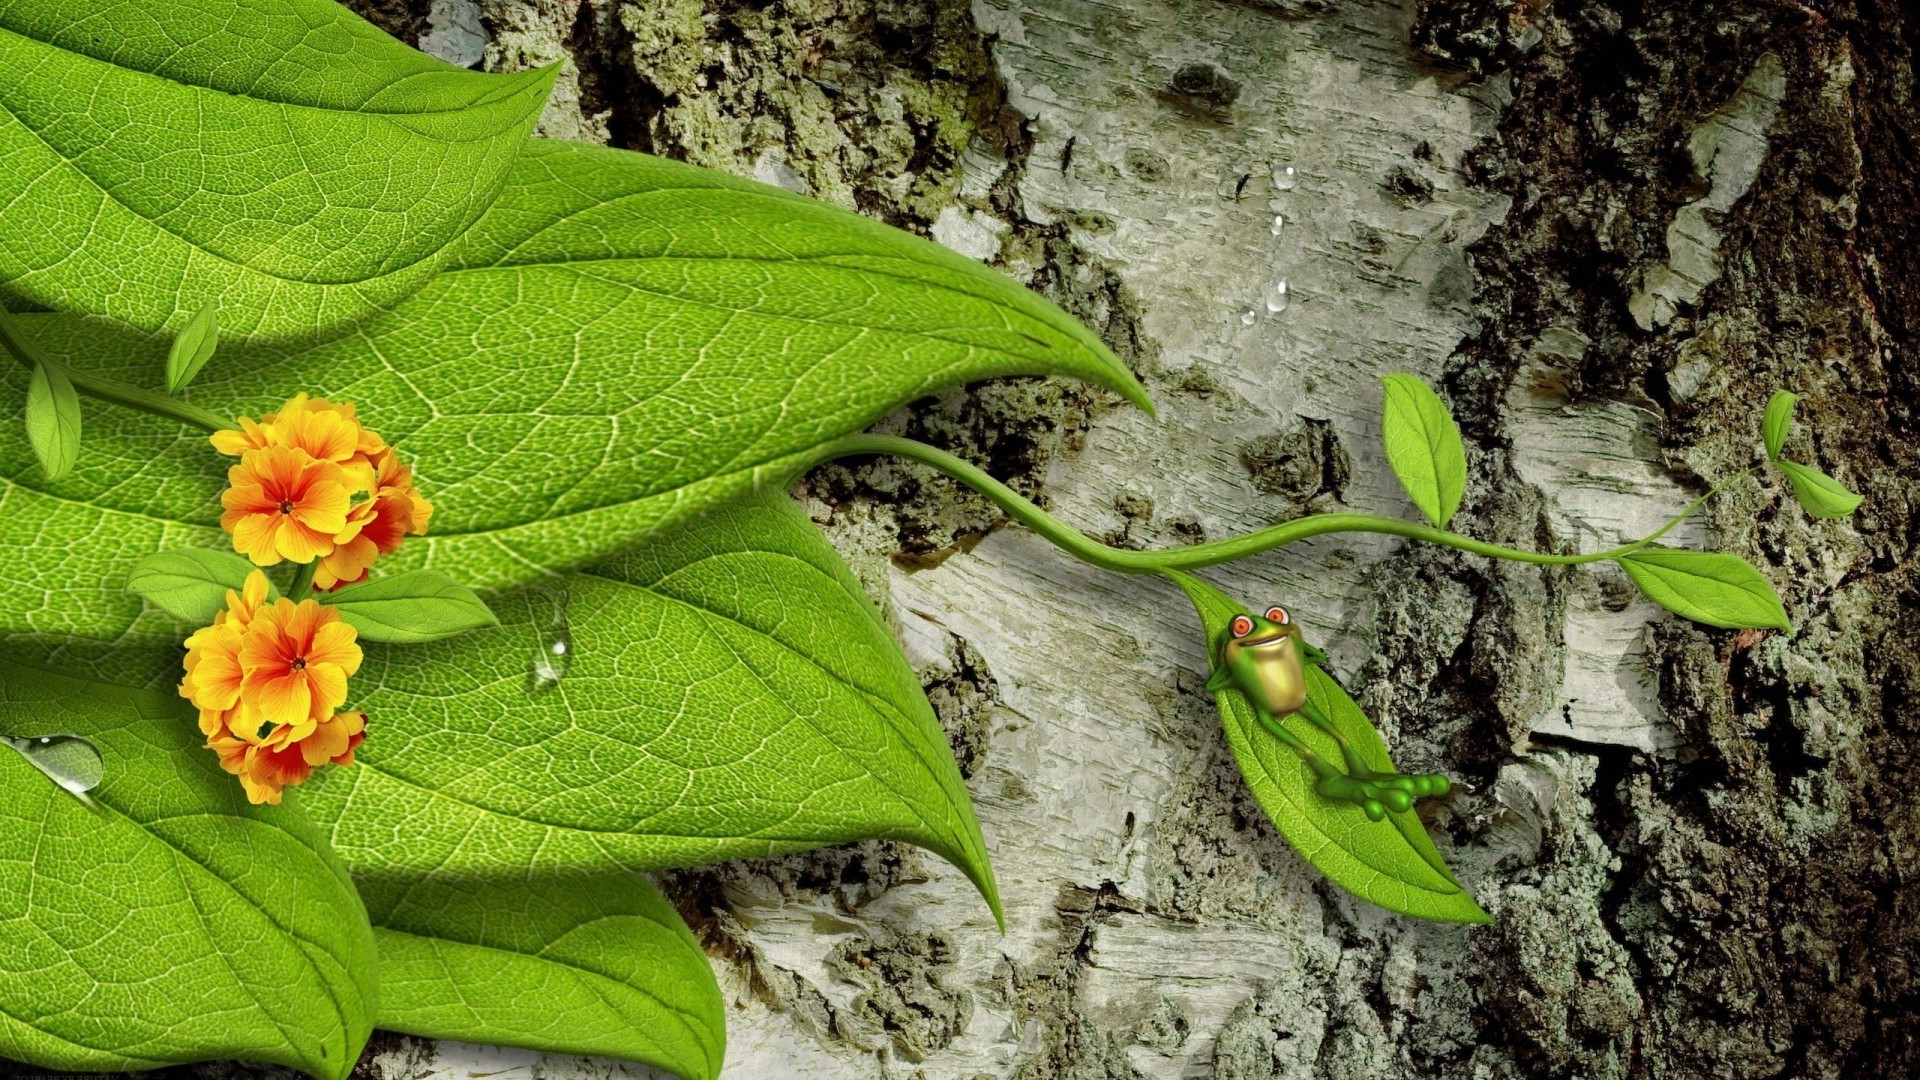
<point x="284" y="504"/>
<point x="296" y="660"/>
<point x="281" y="760"/>
<point x="375" y="527"/>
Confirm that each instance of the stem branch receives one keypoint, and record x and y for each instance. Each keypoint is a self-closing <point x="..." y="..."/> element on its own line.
<point x="1085" y="548"/>
<point x="109" y="390"/>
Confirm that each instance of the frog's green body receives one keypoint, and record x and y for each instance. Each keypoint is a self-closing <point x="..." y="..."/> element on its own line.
<point x="1266" y="660"/>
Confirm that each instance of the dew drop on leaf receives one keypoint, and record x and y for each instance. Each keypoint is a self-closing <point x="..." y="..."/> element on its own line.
<point x="554" y="653"/>
<point x="1279" y="222"/>
<point x="1247" y="318"/>
<point x="1284" y="178"/>
<point x="70" y="761"/>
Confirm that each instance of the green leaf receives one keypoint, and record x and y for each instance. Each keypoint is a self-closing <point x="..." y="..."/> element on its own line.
<point x="625" y="342"/>
<point x="1392" y="863"/>
<point x="413" y="605"/>
<point x="189" y="583"/>
<point x="1424" y="448"/>
<point x="53" y="420"/>
<point x="1819" y="494"/>
<point x="1778" y="420"/>
<point x="171" y="922"/>
<point x="598" y="966"/>
<point x="192" y="349"/>
<point x="726" y="690"/>
<point x="281" y="157"/>
<point x="1707" y="587"/>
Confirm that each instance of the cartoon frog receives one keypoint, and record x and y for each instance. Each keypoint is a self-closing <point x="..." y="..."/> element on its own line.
<point x="1265" y="659"/>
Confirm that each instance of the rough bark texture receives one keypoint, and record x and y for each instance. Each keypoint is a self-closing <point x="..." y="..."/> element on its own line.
<point x="1607" y="232"/>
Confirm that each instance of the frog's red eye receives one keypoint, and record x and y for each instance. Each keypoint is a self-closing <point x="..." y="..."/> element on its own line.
<point x="1279" y="615"/>
<point x="1241" y="626"/>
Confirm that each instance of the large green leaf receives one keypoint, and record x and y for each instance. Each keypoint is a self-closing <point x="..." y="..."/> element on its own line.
<point x="596" y="965"/>
<point x="1392" y="863"/>
<point x="281" y="157"/>
<point x="171" y="922"/>
<point x="726" y="690"/>
<point x="626" y="341"/>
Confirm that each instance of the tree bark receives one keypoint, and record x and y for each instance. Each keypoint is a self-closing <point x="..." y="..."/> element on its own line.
<point x="1607" y="231"/>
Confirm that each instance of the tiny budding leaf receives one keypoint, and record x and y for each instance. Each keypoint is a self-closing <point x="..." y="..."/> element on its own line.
<point x="192" y="349"/>
<point x="1778" y="420"/>
<point x="1819" y="494"/>
<point x="1424" y="448"/>
<point x="189" y="583"/>
<point x="53" y="420"/>
<point x="414" y="605"/>
<point x="1707" y="587"/>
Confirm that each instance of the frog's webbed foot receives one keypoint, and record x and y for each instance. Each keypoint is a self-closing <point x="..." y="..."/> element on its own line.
<point x="1373" y="791"/>
<point x="1377" y="792"/>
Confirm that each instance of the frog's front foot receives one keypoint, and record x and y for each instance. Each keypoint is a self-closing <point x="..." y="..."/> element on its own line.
<point x="1378" y="792"/>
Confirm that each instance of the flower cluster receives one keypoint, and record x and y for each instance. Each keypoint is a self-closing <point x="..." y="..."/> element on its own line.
<point x="278" y="666"/>
<point x="313" y="484"/>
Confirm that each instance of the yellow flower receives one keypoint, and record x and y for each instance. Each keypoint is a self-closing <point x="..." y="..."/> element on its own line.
<point x="283" y="503"/>
<point x="295" y="660"/>
<point x="283" y="664"/>
<point x="213" y="672"/>
<point x="327" y="430"/>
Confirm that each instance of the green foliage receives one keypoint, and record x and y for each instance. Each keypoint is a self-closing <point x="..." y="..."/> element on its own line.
<point x="598" y="965"/>
<point x="1818" y="494"/>
<point x="1777" y="422"/>
<point x="189" y="583"/>
<point x="192" y="349"/>
<point x="637" y="340"/>
<point x="1707" y="587"/>
<point x="411" y="606"/>
<point x="730" y="692"/>
<point x="53" y="420"/>
<point x="1392" y="863"/>
<point x="1424" y="448"/>
<point x="281" y="157"/>
<point x="173" y="922"/>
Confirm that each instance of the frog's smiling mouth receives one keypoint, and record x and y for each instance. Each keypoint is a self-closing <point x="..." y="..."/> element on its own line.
<point x="1265" y="642"/>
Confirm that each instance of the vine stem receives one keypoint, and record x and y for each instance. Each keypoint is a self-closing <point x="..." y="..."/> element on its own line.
<point x="302" y="586"/>
<point x="1122" y="560"/>
<point x="110" y="390"/>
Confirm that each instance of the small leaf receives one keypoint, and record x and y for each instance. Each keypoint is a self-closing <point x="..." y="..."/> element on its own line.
<point x="53" y="420"/>
<point x="414" y="605"/>
<point x="190" y="583"/>
<point x="1392" y="863"/>
<point x="1778" y="420"/>
<point x="1819" y="494"/>
<point x="1424" y="448"/>
<point x="192" y="349"/>
<point x="1707" y="587"/>
<point x="599" y="965"/>
<point x="166" y="920"/>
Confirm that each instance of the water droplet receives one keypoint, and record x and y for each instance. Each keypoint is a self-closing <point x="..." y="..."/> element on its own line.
<point x="1248" y="318"/>
<point x="1279" y="297"/>
<point x="1285" y="178"/>
<point x="70" y="761"/>
<point x="1278" y="221"/>
<point x="554" y="656"/>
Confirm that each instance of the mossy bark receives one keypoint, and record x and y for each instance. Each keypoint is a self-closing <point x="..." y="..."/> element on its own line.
<point x="1606" y="231"/>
